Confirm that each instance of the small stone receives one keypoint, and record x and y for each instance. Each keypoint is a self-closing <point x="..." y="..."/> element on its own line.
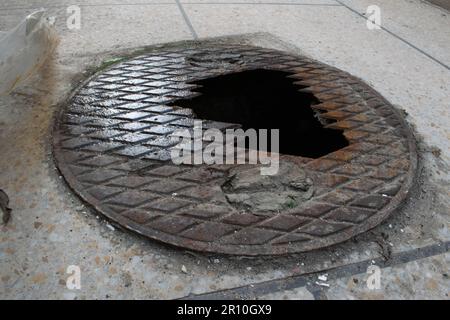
<point x="322" y="284"/>
<point x="323" y="277"/>
<point x="183" y="269"/>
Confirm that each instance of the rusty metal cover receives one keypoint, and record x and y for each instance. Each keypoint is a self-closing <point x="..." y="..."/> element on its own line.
<point x="111" y="145"/>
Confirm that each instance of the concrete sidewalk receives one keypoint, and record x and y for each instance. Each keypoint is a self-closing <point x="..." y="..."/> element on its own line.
<point x="407" y="61"/>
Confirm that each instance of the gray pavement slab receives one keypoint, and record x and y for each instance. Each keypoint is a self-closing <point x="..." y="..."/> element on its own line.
<point x="51" y="229"/>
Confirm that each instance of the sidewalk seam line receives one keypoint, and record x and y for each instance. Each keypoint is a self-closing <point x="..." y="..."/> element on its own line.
<point x="187" y="20"/>
<point x="299" y="281"/>
<point x="397" y="37"/>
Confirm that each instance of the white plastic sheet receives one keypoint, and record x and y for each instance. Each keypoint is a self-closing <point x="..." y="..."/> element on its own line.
<point x="24" y="49"/>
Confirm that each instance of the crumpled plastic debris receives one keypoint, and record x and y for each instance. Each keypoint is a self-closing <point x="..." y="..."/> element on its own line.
<point x="25" y="48"/>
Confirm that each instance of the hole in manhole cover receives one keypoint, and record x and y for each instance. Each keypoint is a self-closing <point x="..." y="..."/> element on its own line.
<point x="349" y="160"/>
<point x="267" y="99"/>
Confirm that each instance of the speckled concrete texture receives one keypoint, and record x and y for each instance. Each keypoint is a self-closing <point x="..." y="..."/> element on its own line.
<point x="51" y="229"/>
<point x="425" y="279"/>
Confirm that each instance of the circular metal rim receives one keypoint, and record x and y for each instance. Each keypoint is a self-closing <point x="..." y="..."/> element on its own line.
<point x="255" y="250"/>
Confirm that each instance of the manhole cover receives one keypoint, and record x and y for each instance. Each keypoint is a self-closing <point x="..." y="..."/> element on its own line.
<point x="348" y="159"/>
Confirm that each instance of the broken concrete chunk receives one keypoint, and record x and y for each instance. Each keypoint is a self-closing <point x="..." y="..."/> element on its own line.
<point x="247" y="189"/>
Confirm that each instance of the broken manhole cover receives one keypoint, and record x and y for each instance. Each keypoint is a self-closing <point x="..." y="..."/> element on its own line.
<point x="348" y="158"/>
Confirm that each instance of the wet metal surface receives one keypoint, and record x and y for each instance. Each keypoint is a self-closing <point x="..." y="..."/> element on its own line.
<point x="111" y="144"/>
